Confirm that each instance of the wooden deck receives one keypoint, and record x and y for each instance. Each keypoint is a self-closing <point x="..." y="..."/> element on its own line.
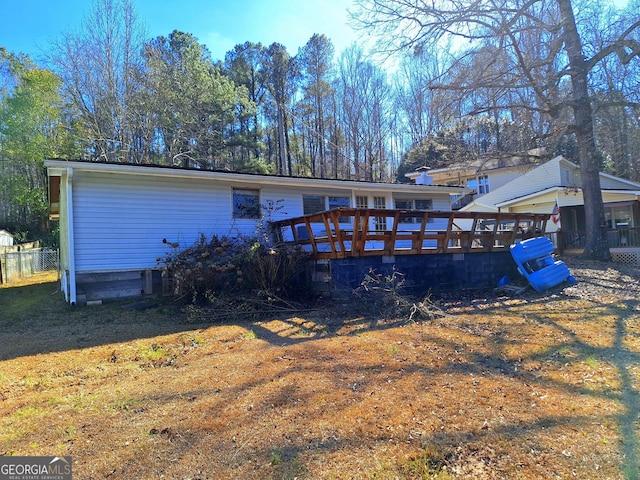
<point x="356" y="232"/>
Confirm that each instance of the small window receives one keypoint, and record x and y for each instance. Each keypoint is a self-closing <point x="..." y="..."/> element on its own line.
<point x="380" y="223"/>
<point x="312" y="204"/>
<point x="246" y="203"/>
<point x="483" y="184"/>
<point x="362" y="201"/>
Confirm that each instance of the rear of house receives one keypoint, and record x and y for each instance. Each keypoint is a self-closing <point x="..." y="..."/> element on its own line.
<point x="114" y="217"/>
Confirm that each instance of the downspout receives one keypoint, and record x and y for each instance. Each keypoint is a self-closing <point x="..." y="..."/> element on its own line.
<point x="71" y="240"/>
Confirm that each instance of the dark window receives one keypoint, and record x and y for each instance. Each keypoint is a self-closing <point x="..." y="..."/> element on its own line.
<point x="246" y="203"/>
<point x="419" y="204"/>
<point x="319" y="203"/>
<point x="312" y="204"/>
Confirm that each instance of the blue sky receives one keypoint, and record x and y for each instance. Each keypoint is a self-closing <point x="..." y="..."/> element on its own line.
<point x="27" y="26"/>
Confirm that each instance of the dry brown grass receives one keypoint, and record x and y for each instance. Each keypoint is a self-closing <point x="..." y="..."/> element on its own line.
<point x="38" y="278"/>
<point x="538" y="386"/>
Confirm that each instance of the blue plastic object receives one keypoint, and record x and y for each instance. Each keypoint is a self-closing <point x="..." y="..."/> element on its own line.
<point x="535" y="263"/>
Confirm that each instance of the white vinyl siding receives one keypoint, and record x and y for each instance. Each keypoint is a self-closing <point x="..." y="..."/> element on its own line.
<point x="120" y="219"/>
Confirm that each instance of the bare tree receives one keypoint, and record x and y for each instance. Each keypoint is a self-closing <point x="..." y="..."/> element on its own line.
<point x="365" y="104"/>
<point x="99" y="67"/>
<point x="554" y="69"/>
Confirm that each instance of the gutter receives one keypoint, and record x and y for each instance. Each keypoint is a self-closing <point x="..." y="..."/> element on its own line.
<point x="71" y="239"/>
<point x="252" y="179"/>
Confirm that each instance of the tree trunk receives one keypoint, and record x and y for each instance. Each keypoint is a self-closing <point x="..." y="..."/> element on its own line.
<point x="282" y="155"/>
<point x="596" y="246"/>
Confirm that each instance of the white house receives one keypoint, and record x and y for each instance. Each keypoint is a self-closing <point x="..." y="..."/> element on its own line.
<point x="6" y="239"/>
<point x="114" y="217"/>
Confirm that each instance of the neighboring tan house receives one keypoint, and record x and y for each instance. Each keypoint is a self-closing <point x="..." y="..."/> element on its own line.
<point x="114" y="217"/>
<point x="555" y="187"/>
<point x="482" y="175"/>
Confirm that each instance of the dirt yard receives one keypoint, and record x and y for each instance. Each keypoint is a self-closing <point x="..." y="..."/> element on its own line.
<point x="495" y="386"/>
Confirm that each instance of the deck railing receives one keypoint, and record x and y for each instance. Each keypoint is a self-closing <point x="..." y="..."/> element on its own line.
<point x="620" y="237"/>
<point x="358" y="232"/>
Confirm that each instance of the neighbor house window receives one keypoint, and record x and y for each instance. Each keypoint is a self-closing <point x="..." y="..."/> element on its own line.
<point x="483" y="184"/>
<point x="246" y="203"/>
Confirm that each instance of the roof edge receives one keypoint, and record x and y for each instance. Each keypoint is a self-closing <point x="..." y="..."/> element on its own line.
<point x="56" y="166"/>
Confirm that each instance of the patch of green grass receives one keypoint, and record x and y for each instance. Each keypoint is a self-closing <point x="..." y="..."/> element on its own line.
<point x="26" y="302"/>
<point x="275" y="459"/>
<point x="124" y="404"/>
<point x="151" y="353"/>
<point x="592" y="362"/>
<point x="430" y="464"/>
<point x="155" y="355"/>
<point x="393" y="350"/>
<point x="27" y="412"/>
<point x="287" y="466"/>
<point x="250" y="335"/>
<point x="82" y="400"/>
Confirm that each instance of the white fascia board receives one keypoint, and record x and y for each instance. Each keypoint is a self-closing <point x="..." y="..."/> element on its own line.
<point x="478" y="206"/>
<point x="528" y="196"/>
<point x="560" y="189"/>
<point x="55" y="166"/>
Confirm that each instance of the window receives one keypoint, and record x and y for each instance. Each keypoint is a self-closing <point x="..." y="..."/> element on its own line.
<point x="418" y="204"/>
<point x="319" y="203"/>
<point x="423" y="204"/>
<point x="405" y="205"/>
<point x="312" y="204"/>
<point x="619" y="215"/>
<point x="361" y="202"/>
<point x="246" y="203"/>
<point x="380" y="223"/>
<point x="338" y="202"/>
<point x="483" y="184"/>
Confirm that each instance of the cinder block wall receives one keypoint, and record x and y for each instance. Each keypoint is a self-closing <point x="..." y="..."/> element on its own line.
<point x="438" y="273"/>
